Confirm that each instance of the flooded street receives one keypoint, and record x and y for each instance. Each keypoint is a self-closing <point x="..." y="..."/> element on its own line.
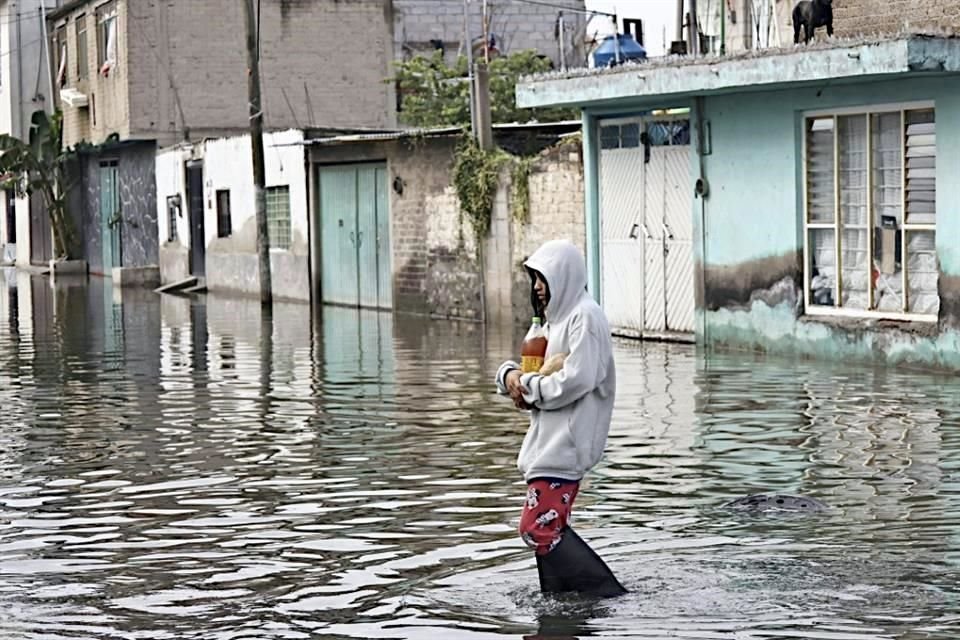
<point x="183" y="469"/>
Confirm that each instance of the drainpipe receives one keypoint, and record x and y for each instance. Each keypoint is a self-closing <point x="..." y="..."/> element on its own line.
<point x="701" y="191"/>
<point x="591" y="189"/>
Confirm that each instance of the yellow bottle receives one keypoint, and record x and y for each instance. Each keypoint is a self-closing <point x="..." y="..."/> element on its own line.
<point x="534" y="348"/>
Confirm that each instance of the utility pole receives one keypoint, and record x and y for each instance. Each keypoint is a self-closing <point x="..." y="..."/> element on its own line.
<point x="470" y="77"/>
<point x="256" y="142"/>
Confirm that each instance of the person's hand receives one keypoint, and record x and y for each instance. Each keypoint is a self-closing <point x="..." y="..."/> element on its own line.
<point x="516" y="389"/>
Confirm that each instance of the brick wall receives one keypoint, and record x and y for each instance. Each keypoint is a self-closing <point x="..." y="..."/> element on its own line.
<point x="323" y="63"/>
<point x="434" y="254"/>
<point x="856" y="17"/>
<point x="517" y="25"/>
<point x="108" y="108"/>
<point x="425" y="224"/>
<point x="556" y="213"/>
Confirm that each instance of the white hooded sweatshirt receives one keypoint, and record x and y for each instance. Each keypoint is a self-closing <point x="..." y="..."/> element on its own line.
<point x="571" y="409"/>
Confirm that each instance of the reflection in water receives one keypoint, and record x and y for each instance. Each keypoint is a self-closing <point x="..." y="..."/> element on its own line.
<point x="180" y="468"/>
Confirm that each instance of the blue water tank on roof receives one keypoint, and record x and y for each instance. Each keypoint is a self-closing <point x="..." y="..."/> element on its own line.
<point x="630" y="49"/>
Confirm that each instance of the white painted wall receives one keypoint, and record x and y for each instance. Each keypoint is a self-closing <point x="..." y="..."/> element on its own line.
<point x="170" y="181"/>
<point x="228" y="164"/>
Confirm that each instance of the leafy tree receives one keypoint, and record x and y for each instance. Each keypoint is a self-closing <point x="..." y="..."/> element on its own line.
<point x="435" y="94"/>
<point x="40" y="166"/>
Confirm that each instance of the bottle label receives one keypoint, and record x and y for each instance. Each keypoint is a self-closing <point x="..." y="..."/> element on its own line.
<point x="531" y="364"/>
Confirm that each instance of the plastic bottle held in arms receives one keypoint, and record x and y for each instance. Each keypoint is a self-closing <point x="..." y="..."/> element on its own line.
<point x="534" y="348"/>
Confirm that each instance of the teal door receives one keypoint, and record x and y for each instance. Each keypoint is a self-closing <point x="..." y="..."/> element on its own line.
<point x="338" y="216"/>
<point x="355" y="236"/>
<point x="110" y="217"/>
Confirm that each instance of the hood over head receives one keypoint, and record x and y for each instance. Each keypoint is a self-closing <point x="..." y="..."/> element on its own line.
<point x="565" y="271"/>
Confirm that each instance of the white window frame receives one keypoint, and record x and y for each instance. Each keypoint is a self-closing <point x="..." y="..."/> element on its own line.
<point x="867" y="111"/>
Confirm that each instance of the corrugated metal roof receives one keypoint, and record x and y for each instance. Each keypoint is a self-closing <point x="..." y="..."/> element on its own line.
<point x="439" y="132"/>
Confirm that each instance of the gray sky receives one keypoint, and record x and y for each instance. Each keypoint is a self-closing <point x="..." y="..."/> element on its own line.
<point x="659" y="19"/>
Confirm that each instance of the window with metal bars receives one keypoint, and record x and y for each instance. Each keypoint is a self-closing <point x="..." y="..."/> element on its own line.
<point x="870" y="213"/>
<point x="278" y="217"/>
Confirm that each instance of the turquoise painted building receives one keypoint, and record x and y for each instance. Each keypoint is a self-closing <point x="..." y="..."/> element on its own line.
<point x="820" y="184"/>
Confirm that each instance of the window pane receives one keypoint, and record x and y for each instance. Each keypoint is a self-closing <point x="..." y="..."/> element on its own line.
<point x="278" y="217"/>
<point x="887" y="168"/>
<point x="921" y="140"/>
<point x="854" y="259"/>
<point x="888" y="272"/>
<point x="822" y="268"/>
<point x="820" y="176"/>
<point x="630" y="136"/>
<point x="922" y="273"/>
<point x="81" y="25"/>
<point x="610" y="137"/>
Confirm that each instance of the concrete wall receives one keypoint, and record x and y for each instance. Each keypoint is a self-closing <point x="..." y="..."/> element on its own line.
<point x="518" y="26"/>
<point x="182" y="69"/>
<point x="232" y="262"/>
<point x="752" y="244"/>
<point x="856" y="17"/>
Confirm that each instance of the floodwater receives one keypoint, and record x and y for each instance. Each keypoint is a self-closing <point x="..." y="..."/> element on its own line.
<point x="184" y="469"/>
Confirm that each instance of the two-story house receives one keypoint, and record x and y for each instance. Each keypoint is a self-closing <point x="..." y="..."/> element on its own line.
<point x="134" y="76"/>
<point x="25" y="87"/>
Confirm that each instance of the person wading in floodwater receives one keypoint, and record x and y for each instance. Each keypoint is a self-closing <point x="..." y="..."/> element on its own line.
<point x="570" y="408"/>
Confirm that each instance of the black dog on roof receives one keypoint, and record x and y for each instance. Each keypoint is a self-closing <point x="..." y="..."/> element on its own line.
<point x="812" y="14"/>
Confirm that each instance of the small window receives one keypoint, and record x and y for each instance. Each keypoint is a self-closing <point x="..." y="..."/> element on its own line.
<point x="80" y="24"/>
<point x="224" y="228"/>
<point x="620" y="136"/>
<point x="107" y="33"/>
<point x="60" y="51"/>
<point x="278" y="217"/>
<point x="173" y="212"/>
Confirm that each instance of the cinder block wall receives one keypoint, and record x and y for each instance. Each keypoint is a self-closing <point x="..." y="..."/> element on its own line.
<point x="856" y="17"/>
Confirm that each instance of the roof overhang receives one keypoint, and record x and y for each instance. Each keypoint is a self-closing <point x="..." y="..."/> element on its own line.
<point x="679" y="78"/>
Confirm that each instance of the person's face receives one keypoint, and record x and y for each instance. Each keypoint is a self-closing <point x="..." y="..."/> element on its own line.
<point x="540" y="288"/>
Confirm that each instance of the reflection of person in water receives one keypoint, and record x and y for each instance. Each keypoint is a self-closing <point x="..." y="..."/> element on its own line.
<point x="570" y="412"/>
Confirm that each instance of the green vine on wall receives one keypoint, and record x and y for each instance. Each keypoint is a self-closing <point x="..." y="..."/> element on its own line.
<point x="476" y="174"/>
<point x="520" y="188"/>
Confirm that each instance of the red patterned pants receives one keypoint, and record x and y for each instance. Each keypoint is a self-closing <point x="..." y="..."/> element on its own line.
<point x="546" y="512"/>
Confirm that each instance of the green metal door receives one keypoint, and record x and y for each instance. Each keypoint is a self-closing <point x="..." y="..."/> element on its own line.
<point x="384" y="269"/>
<point x="338" y="215"/>
<point x="355" y="239"/>
<point x="367" y="235"/>
<point x="110" y="217"/>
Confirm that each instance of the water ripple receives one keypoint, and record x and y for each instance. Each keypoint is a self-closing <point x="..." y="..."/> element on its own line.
<point x="184" y="469"/>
